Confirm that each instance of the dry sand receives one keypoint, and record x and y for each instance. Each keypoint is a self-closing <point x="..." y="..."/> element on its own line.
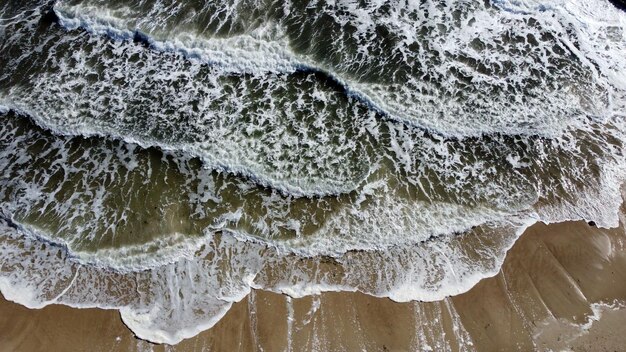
<point x="546" y="297"/>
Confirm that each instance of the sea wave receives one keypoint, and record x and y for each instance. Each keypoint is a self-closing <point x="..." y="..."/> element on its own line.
<point x="168" y="181"/>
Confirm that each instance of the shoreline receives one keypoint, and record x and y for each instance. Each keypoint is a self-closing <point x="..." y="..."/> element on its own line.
<point x="562" y="287"/>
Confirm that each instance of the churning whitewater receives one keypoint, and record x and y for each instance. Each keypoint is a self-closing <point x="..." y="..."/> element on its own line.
<point x="163" y="158"/>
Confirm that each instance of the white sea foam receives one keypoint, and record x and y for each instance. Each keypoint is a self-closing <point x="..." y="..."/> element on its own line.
<point x="437" y="108"/>
<point x="260" y="50"/>
<point x="160" y="314"/>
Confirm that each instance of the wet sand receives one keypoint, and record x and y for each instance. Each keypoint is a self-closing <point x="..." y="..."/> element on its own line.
<point x="546" y="297"/>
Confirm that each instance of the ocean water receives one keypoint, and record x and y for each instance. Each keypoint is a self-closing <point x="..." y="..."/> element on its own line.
<point x="163" y="158"/>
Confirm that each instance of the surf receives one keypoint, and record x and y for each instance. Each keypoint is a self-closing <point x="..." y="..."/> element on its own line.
<point x="212" y="158"/>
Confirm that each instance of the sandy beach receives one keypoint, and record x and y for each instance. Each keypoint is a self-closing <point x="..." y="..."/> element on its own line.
<point x="562" y="287"/>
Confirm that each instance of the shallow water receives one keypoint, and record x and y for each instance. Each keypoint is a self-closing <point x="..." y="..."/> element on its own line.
<point x="162" y="158"/>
